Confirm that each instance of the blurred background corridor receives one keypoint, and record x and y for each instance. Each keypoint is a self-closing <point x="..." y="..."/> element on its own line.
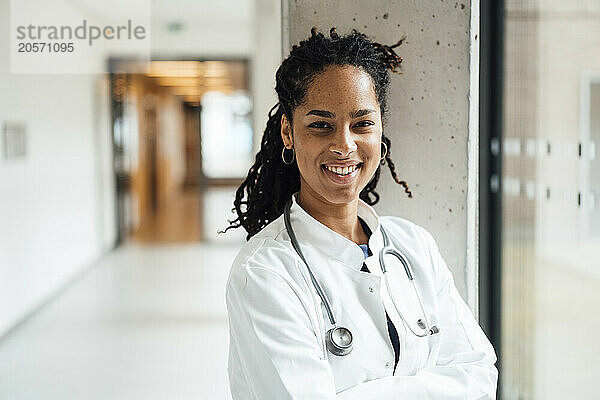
<point x="112" y="273"/>
<point x="113" y="188"/>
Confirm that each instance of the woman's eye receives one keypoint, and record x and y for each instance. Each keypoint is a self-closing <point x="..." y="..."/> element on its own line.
<point x="319" y="125"/>
<point x="363" y="124"/>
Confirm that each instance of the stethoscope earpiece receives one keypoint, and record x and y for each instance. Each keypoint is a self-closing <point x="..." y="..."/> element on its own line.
<point x="339" y="341"/>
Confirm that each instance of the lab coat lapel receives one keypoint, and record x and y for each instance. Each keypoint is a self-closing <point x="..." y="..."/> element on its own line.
<point x="313" y="236"/>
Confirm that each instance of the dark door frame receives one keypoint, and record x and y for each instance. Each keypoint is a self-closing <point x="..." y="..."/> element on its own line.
<point x="490" y="167"/>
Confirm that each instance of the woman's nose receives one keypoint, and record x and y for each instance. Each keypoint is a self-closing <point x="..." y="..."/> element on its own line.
<point x="344" y="143"/>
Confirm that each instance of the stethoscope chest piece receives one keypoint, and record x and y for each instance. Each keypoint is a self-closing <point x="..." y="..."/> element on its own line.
<point x="339" y="341"/>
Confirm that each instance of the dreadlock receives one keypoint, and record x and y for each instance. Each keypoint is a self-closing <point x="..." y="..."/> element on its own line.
<point x="270" y="182"/>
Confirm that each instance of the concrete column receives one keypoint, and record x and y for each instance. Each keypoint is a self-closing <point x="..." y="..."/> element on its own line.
<point x="433" y="119"/>
<point x="266" y="58"/>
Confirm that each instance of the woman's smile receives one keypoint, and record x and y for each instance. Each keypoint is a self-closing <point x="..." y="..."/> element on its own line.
<point x="342" y="174"/>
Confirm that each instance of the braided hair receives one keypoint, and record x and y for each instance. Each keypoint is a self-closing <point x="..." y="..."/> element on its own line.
<point x="270" y="182"/>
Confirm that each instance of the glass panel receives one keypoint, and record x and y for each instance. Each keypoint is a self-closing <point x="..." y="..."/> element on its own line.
<point x="551" y="221"/>
<point x="226" y="134"/>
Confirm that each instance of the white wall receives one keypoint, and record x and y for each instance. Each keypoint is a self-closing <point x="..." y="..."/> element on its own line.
<point x="49" y="226"/>
<point x="221" y="28"/>
<point x="266" y="58"/>
<point x="433" y="113"/>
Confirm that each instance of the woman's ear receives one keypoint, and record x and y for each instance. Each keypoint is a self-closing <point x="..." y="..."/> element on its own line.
<point x="286" y="132"/>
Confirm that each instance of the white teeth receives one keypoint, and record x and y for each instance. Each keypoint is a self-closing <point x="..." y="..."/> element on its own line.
<point x="342" y="170"/>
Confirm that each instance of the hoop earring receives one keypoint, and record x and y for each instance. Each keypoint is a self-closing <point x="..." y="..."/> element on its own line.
<point x="386" y="150"/>
<point x="283" y="155"/>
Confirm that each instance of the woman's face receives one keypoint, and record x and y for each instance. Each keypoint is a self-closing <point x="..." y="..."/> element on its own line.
<point x="336" y="135"/>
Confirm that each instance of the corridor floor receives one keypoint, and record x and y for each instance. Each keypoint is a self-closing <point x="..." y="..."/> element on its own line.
<point x="146" y="322"/>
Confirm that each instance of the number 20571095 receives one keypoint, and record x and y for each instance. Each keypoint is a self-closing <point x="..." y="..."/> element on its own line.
<point x="40" y="47"/>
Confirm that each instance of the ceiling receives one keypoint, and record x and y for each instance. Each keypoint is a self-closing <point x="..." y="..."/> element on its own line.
<point x="189" y="12"/>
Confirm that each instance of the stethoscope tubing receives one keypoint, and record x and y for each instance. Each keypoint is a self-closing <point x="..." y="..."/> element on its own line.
<point x="314" y="280"/>
<point x="411" y="278"/>
<point x="429" y="330"/>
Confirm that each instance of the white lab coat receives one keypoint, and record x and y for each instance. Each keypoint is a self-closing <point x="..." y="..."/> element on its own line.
<point x="277" y="322"/>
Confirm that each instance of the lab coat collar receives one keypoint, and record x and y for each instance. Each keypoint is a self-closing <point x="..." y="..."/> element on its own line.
<point x="332" y="244"/>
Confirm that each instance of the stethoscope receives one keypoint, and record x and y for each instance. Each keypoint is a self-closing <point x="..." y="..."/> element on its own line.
<point x="339" y="339"/>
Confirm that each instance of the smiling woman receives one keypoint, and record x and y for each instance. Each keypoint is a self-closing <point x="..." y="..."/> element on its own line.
<point x="336" y="138"/>
<point x="309" y="317"/>
<point x="316" y="107"/>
